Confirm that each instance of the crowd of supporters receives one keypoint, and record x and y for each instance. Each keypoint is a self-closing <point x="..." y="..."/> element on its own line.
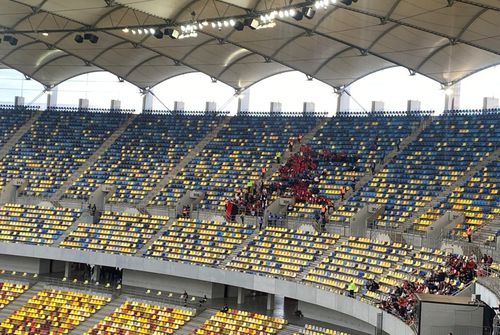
<point x="459" y="272"/>
<point x="298" y="178"/>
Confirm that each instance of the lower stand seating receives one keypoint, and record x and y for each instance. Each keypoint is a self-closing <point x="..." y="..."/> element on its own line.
<point x="115" y="232"/>
<point x="34" y="224"/>
<point x="199" y="242"/>
<point x="139" y="318"/>
<point x="240" y="322"/>
<point x="52" y="312"/>
<point x="10" y="291"/>
<point x="316" y="330"/>
<point x="282" y="252"/>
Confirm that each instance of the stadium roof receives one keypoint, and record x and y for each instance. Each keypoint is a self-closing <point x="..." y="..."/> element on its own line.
<point x="445" y="40"/>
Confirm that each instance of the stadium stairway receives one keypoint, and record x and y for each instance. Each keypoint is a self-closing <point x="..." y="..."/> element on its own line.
<point x="98" y="316"/>
<point x="318" y="260"/>
<point x="388" y="158"/>
<point x="84" y="218"/>
<point x="287" y="154"/>
<point x="92" y="159"/>
<point x="21" y="300"/>
<point x="290" y="330"/>
<point x="19" y="133"/>
<point x="195" y="323"/>
<point x="237" y="251"/>
<point x="182" y="164"/>
<point x="484" y="232"/>
<point x="153" y="238"/>
<point x="443" y="195"/>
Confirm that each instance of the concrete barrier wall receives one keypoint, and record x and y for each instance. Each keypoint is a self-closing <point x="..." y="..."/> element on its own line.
<point x="295" y="290"/>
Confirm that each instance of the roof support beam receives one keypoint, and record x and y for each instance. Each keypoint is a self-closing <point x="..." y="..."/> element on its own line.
<point x="467" y="26"/>
<point x="19" y="48"/>
<point x="108" y="49"/>
<point x="196" y="48"/>
<point x="357" y="47"/>
<point x="433" y="32"/>
<point x="329" y="59"/>
<point x="47" y="63"/>
<point x="292" y="39"/>
<point x="142" y="63"/>
<point x="432" y="54"/>
<point x="453" y="40"/>
<point x="233" y="63"/>
<point x="477" y="4"/>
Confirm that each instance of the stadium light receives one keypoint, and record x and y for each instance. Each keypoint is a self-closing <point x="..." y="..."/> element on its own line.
<point x="10" y="39"/>
<point x="252" y="23"/>
<point x="79" y="39"/>
<point x="239" y="26"/>
<point x="158" y="34"/>
<point x="172" y="33"/>
<point x="297" y="14"/>
<point x="308" y="12"/>
<point x="348" y="2"/>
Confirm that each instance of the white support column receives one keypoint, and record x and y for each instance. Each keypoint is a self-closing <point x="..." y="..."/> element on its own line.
<point x="116" y="105"/>
<point x="452" y="97"/>
<point x="96" y="274"/>
<point x="67" y="269"/>
<point x="210" y="106"/>
<point x="270" y="302"/>
<point x="378" y="106"/>
<point x="241" y="295"/>
<point x="83" y="103"/>
<point x="413" y="106"/>
<point x="52" y="97"/>
<point x="343" y="100"/>
<point x="19" y="101"/>
<point x="244" y="101"/>
<point x="275" y="107"/>
<point x="490" y="102"/>
<point x="309" y="108"/>
<point x="179" y="106"/>
<point x="147" y="101"/>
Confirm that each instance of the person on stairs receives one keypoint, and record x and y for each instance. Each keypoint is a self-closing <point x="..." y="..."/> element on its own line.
<point x="468" y="232"/>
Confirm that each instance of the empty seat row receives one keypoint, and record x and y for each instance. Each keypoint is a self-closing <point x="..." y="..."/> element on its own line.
<point x="115" y="233"/>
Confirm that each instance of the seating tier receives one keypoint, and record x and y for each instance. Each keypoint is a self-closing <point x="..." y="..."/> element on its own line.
<point x="478" y="199"/>
<point x="10" y="291"/>
<point x="241" y="322"/>
<point x="146" y="152"/>
<point x="52" y="312"/>
<point x="139" y="318"/>
<point x="443" y="152"/>
<point x="316" y="330"/>
<point x="55" y="146"/>
<point x="34" y="224"/>
<point x="369" y="139"/>
<point x="199" y="242"/>
<point x="233" y="158"/>
<point x="282" y="252"/>
<point x="115" y="233"/>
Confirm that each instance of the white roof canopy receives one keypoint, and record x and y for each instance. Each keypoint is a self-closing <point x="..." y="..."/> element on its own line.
<point x="445" y="40"/>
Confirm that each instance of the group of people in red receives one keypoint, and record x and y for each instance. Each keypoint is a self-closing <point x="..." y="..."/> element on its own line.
<point x="460" y="270"/>
<point x="299" y="178"/>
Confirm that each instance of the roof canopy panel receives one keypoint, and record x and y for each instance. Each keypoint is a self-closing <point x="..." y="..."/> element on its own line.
<point x="62" y="68"/>
<point x="442" y="40"/>
<point x="349" y="66"/>
<point x="457" y="61"/>
<point x="250" y="70"/>
<point x="155" y="70"/>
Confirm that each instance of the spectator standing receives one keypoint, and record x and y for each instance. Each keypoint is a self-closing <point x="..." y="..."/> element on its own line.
<point x="352" y="288"/>
<point x="468" y="232"/>
<point x="260" y="220"/>
<point x="278" y="157"/>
